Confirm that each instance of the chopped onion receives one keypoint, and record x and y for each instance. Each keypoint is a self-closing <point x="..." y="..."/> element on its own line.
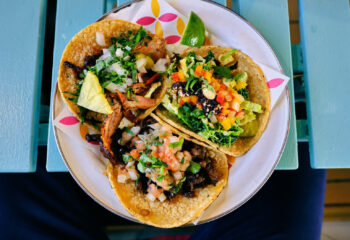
<point x="112" y="87"/>
<point x="151" y="197"/>
<point x="160" y="65"/>
<point x="177" y="175"/>
<point x="133" y="175"/>
<point x="127" y="48"/>
<point x="141" y="65"/>
<point x="116" y="67"/>
<point x="136" y="130"/>
<point x="100" y="39"/>
<point x="130" y="163"/>
<point x="148" y="170"/>
<point x="119" y="52"/>
<point x="125" y="123"/>
<point x="105" y="53"/>
<point x="121" y="178"/>
<point x="128" y="82"/>
<point x="162" y="197"/>
<point x="154" y="126"/>
<point x="139" y="77"/>
<point x="173" y="139"/>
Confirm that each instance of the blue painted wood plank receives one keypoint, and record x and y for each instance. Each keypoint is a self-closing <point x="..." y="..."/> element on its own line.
<point x="21" y="48"/>
<point x="121" y="2"/>
<point x="71" y="17"/>
<point x="325" y="38"/>
<point x="271" y="18"/>
<point x="222" y="2"/>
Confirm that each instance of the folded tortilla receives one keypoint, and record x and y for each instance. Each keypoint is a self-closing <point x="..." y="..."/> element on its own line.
<point x="170" y="213"/>
<point x="84" y="44"/>
<point x="258" y="91"/>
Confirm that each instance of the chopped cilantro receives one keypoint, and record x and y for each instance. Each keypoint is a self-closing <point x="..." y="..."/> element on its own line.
<point x="160" y="178"/>
<point x="127" y="158"/>
<point x="128" y="131"/>
<point x="222" y="71"/>
<point x="194" y="167"/>
<point x="177" y="188"/>
<point x="177" y="144"/>
<point x="244" y="92"/>
<point x="209" y="57"/>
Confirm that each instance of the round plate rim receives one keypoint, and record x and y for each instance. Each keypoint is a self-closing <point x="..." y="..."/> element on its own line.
<point x="287" y="94"/>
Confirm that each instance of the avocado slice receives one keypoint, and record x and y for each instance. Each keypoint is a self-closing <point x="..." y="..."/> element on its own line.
<point x="250" y="129"/>
<point x="91" y="95"/>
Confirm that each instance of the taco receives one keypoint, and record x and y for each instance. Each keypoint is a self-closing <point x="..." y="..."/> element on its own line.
<point x="219" y="96"/>
<point x="160" y="177"/>
<point x="112" y="74"/>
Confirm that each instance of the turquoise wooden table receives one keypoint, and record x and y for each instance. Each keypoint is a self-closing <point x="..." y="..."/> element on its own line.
<point x="321" y="59"/>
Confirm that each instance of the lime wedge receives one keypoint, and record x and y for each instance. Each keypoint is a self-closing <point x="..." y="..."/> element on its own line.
<point x="194" y="34"/>
<point x="92" y="97"/>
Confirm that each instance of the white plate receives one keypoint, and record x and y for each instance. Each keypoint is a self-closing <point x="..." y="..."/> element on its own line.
<point x="249" y="173"/>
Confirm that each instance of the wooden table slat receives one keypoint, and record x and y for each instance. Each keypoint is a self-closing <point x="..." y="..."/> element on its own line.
<point x="71" y="17"/>
<point x="325" y="38"/>
<point x="270" y="17"/>
<point x="21" y="48"/>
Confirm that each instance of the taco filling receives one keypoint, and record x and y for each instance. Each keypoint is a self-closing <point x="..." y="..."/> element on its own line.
<point x="210" y="97"/>
<point x="122" y="79"/>
<point x="160" y="163"/>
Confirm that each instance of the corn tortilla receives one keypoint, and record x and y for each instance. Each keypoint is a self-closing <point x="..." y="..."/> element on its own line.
<point x="174" y="213"/>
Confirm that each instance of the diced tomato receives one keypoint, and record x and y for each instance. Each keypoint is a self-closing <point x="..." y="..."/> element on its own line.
<point x="199" y="70"/>
<point x="155" y="154"/>
<point x="175" y="77"/>
<point x="135" y="153"/>
<point x="140" y="146"/>
<point x="154" y="77"/>
<point x="223" y="87"/>
<point x="220" y="98"/>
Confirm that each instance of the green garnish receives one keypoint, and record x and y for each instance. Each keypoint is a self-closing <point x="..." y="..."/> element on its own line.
<point x="128" y="131"/>
<point x="127" y="158"/>
<point x="244" y="92"/>
<point x="223" y="71"/>
<point x="177" y="144"/>
<point x="182" y="160"/>
<point x="226" y="55"/>
<point x="194" y="167"/>
<point x="160" y="178"/>
<point x="140" y="167"/>
<point x="209" y="57"/>
<point x="177" y="188"/>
